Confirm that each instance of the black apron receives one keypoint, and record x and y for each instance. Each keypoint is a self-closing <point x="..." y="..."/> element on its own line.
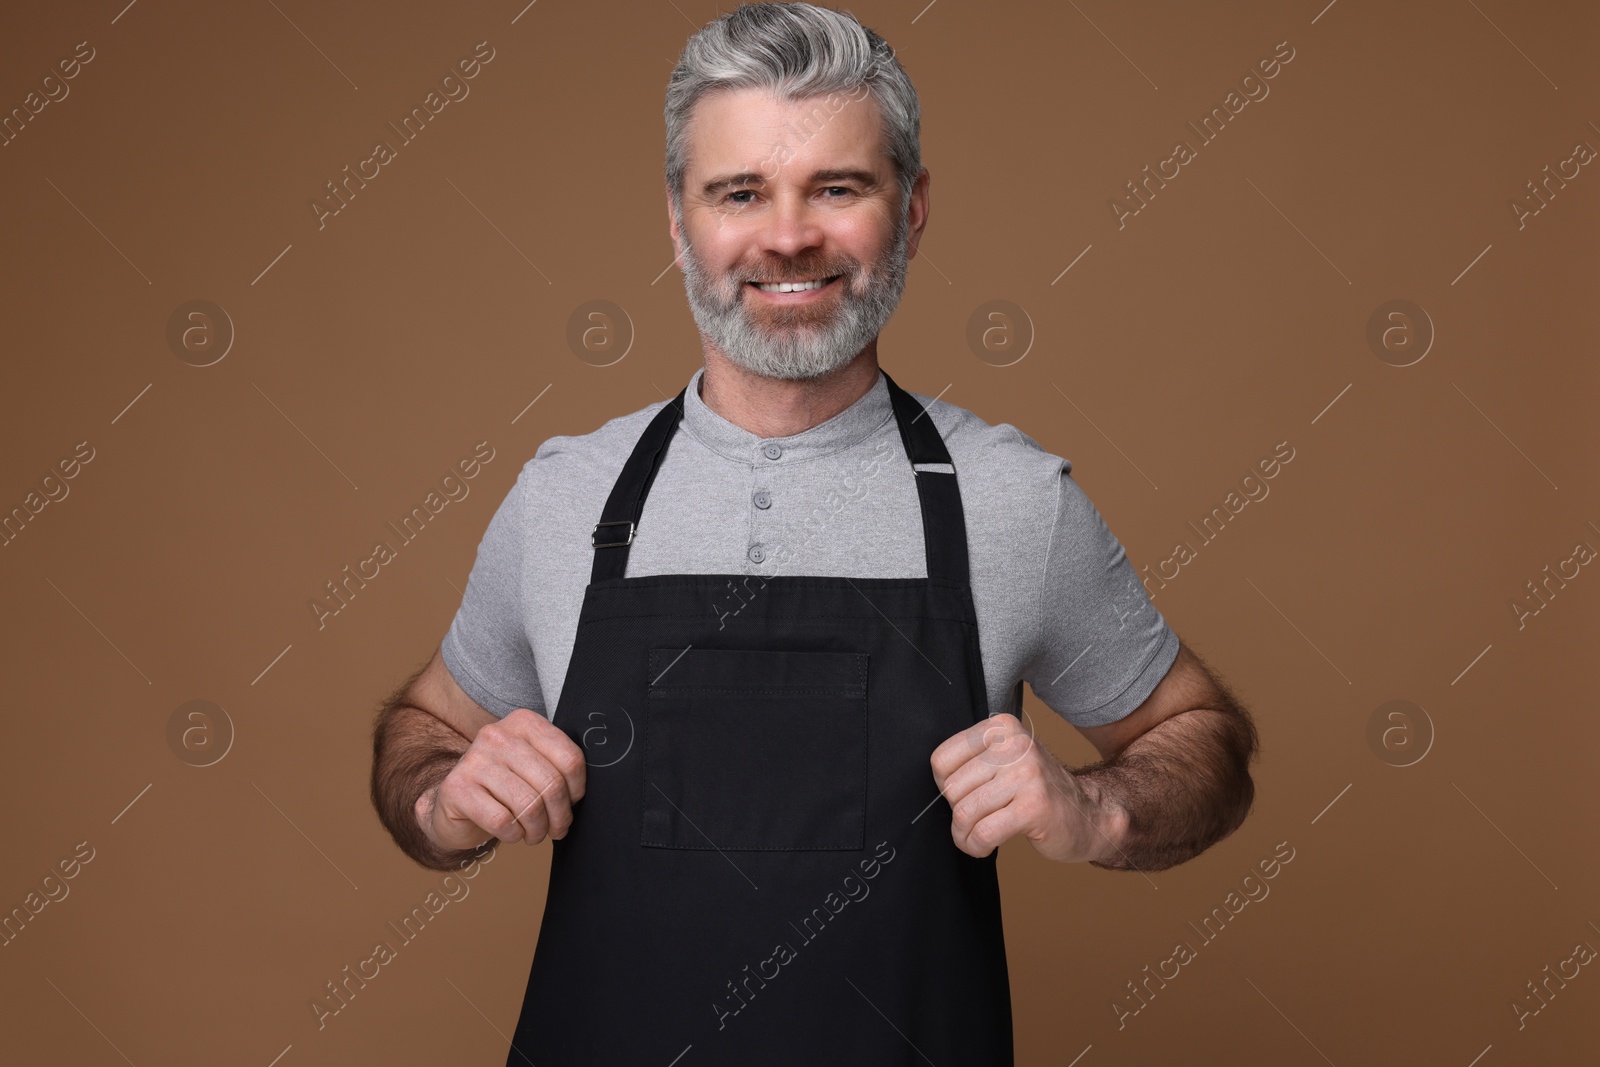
<point x="761" y="870"/>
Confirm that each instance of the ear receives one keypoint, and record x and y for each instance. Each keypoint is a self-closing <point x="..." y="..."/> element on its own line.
<point x="672" y="228"/>
<point x="917" y="212"/>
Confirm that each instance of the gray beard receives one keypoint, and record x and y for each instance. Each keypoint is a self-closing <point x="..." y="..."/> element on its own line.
<point x="795" y="347"/>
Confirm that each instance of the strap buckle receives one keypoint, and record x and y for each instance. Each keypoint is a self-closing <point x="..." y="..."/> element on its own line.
<point x="627" y="539"/>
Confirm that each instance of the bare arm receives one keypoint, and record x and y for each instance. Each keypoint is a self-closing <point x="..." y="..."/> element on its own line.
<point x="412" y="752"/>
<point x="447" y="774"/>
<point x="1174" y="775"/>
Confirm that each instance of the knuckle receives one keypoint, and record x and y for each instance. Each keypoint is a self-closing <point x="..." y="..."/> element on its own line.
<point x="530" y="808"/>
<point x="448" y="792"/>
<point x="569" y="760"/>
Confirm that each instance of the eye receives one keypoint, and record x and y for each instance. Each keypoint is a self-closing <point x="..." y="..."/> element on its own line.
<point x="841" y="188"/>
<point x="740" y="192"/>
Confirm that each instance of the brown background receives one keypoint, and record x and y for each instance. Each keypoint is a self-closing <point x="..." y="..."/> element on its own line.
<point x="373" y="353"/>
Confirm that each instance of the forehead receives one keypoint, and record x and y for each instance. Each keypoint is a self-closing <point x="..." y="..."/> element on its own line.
<point x="753" y="130"/>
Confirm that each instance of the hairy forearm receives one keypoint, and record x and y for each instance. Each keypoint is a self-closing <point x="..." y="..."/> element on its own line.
<point x="412" y="752"/>
<point x="1175" y="790"/>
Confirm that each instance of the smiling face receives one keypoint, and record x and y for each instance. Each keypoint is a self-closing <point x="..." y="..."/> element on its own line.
<point x="803" y="197"/>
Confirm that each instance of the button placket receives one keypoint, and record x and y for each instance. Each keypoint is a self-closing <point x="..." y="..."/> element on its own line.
<point x="760" y="549"/>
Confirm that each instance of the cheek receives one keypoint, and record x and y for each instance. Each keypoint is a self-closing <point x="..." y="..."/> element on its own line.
<point x="871" y="252"/>
<point x="863" y="240"/>
<point x="722" y="258"/>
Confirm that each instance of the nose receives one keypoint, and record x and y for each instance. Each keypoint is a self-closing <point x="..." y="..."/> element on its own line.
<point x="792" y="226"/>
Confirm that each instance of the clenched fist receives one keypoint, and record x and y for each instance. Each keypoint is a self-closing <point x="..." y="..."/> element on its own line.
<point x="1001" y="782"/>
<point x="517" y="781"/>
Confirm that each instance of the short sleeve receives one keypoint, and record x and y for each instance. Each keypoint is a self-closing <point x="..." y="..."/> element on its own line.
<point x="1102" y="646"/>
<point x="486" y="648"/>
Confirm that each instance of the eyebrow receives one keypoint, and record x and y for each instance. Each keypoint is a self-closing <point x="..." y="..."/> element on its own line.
<point x="750" y="177"/>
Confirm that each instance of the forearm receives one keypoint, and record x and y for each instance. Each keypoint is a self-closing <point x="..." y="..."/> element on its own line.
<point x="1174" y="791"/>
<point x="412" y="752"/>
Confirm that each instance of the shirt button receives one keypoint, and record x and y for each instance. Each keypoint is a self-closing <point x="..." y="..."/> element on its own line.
<point x="772" y="450"/>
<point x="762" y="499"/>
<point x="757" y="553"/>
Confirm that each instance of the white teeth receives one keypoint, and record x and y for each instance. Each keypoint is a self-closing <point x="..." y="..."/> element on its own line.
<point x="791" y="287"/>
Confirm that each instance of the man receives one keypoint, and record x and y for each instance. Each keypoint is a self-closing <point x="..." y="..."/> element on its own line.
<point x="751" y="657"/>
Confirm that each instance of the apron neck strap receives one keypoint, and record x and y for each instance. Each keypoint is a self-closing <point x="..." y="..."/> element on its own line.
<point x="943" y="523"/>
<point x="944" y="528"/>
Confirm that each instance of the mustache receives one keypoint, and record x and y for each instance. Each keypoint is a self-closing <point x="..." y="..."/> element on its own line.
<point x="774" y="274"/>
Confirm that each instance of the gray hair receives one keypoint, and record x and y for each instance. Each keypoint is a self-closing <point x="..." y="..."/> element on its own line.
<point x="797" y="51"/>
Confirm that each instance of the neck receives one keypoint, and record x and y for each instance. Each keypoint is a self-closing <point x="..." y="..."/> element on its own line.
<point x="776" y="407"/>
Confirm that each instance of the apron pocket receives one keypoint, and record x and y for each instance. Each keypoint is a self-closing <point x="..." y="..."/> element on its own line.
<point x="755" y="750"/>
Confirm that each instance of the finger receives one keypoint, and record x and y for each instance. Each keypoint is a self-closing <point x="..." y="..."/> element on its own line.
<point x="560" y="751"/>
<point x="976" y="806"/>
<point x="526" y="794"/>
<point x="437" y="826"/>
<point x="997" y="741"/>
<point x="515" y="766"/>
<point x="1005" y="740"/>
<point x="993" y="830"/>
<point x="972" y="774"/>
<point x="1000" y="738"/>
<point x="464" y="812"/>
<point x="479" y="797"/>
<point x="543" y="789"/>
<point x="569" y="761"/>
<point x="956" y="749"/>
<point x="507" y="789"/>
<point x="565" y="766"/>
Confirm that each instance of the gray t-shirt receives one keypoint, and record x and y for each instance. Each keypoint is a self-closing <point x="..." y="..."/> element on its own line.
<point x="1058" y="602"/>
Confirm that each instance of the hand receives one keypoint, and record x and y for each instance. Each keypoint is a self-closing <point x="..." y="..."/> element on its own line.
<point x="1001" y="782"/>
<point x="517" y="781"/>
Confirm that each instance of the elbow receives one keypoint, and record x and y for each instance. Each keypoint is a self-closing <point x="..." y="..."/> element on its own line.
<point x="1238" y="747"/>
